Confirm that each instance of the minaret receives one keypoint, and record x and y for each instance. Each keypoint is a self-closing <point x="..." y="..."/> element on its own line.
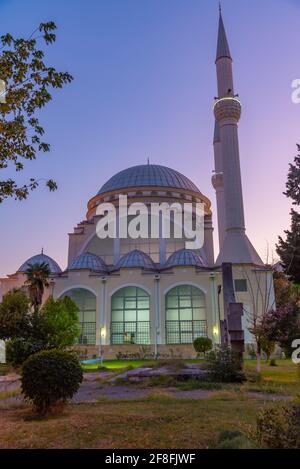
<point x="218" y="184"/>
<point x="235" y="247"/>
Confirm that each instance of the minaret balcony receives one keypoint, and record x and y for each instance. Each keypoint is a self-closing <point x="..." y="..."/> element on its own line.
<point x="217" y="181"/>
<point x="228" y="107"/>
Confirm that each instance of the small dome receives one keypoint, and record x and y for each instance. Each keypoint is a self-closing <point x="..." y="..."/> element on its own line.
<point x="88" y="261"/>
<point x="136" y="259"/>
<point x="149" y="175"/>
<point x="41" y="259"/>
<point x="184" y="258"/>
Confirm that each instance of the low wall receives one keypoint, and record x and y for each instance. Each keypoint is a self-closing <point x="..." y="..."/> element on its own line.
<point x="137" y="352"/>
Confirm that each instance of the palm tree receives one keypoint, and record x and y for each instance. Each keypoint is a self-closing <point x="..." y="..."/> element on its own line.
<point x="37" y="281"/>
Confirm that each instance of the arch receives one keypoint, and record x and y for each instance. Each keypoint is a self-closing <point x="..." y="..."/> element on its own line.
<point x="77" y="287"/>
<point x="86" y="300"/>
<point x="179" y="284"/>
<point x="185" y="314"/>
<point x="130" y="316"/>
<point x="137" y="285"/>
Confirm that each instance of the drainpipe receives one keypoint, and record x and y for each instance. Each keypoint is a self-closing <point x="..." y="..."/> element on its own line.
<point x="102" y="317"/>
<point x="157" y="312"/>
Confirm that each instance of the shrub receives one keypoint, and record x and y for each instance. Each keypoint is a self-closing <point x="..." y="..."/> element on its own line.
<point x="279" y="427"/>
<point x="225" y="367"/>
<point x="273" y="362"/>
<point x="233" y="440"/>
<point x="19" y="349"/>
<point x="50" y="377"/>
<point x="202" y="345"/>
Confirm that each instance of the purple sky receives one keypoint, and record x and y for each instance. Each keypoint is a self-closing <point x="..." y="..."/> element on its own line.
<point x="144" y="86"/>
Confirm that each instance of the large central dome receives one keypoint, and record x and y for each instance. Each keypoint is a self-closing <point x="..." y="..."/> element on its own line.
<point x="149" y="175"/>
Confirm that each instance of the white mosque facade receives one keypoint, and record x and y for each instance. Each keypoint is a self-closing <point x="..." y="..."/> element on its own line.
<point x="154" y="295"/>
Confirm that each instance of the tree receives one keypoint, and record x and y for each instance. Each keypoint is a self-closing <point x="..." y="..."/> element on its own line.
<point x="60" y="319"/>
<point x="14" y="315"/>
<point x="260" y="285"/>
<point x="257" y="329"/>
<point x="267" y="346"/>
<point x="289" y="250"/>
<point x="283" y="326"/>
<point x="37" y="281"/>
<point x="283" y="289"/>
<point x="293" y="182"/>
<point x="55" y="325"/>
<point x="28" y="82"/>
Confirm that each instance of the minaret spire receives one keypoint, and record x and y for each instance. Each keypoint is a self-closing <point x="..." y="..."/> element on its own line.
<point x="224" y="63"/>
<point x="223" y="46"/>
<point x="235" y="247"/>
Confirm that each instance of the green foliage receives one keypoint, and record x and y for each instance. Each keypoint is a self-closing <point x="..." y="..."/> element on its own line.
<point x="54" y="326"/>
<point x="283" y="288"/>
<point x="293" y="181"/>
<point x="202" y="344"/>
<point x="278" y="427"/>
<point x="19" y="349"/>
<point x="267" y="346"/>
<point x="37" y="280"/>
<point x="224" y="366"/>
<point x="14" y="315"/>
<point x="60" y="319"/>
<point x="50" y="377"/>
<point x="283" y="326"/>
<point x="29" y="82"/>
<point x="233" y="440"/>
<point x="289" y="250"/>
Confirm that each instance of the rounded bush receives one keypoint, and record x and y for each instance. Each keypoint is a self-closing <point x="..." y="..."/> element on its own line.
<point x="202" y="344"/>
<point x="278" y="427"/>
<point x="50" y="377"/>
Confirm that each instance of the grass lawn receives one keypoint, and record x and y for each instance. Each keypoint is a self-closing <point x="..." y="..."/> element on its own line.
<point x="158" y="421"/>
<point x="118" y="364"/>
<point x="281" y="379"/>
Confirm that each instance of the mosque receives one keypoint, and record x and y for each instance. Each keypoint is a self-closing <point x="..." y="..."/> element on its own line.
<point x="154" y="294"/>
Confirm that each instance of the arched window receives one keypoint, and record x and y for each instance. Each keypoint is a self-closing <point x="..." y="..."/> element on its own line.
<point x="185" y="315"/>
<point x="86" y="302"/>
<point x="130" y="316"/>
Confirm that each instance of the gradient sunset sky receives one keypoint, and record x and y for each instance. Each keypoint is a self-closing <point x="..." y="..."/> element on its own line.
<point x="144" y="83"/>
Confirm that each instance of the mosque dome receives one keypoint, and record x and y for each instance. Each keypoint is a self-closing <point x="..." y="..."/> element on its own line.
<point x="185" y="258"/>
<point x="88" y="261"/>
<point x="149" y="175"/>
<point x="41" y="259"/>
<point x="136" y="259"/>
